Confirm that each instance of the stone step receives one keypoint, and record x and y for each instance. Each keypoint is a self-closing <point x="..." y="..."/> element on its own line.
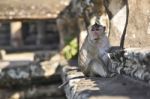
<point x="26" y="73"/>
<point x="117" y="87"/>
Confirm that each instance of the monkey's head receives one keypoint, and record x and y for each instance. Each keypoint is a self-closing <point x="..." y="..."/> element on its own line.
<point x="96" y="32"/>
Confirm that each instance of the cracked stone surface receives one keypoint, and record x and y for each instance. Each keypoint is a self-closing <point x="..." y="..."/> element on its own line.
<point x="117" y="87"/>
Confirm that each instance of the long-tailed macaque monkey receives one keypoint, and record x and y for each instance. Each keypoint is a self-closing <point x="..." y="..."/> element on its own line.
<point x="93" y="58"/>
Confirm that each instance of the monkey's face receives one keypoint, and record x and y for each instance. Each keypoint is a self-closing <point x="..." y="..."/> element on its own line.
<point x="96" y="32"/>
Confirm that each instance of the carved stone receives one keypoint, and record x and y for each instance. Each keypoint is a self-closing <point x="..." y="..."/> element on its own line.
<point x="133" y="62"/>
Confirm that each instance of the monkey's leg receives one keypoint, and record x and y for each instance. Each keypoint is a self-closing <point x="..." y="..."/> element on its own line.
<point x="99" y="68"/>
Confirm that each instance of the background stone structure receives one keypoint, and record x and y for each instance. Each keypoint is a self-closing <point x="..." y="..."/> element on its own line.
<point x="137" y="31"/>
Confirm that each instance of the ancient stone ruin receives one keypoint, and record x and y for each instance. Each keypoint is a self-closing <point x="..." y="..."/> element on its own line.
<point x="34" y="34"/>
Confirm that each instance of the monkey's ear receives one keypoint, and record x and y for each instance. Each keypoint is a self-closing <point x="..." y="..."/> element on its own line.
<point x="89" y="29"/>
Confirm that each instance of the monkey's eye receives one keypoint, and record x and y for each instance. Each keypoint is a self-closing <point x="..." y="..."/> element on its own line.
<point x="101" y="28"/>
<point x="96" y="29"/>
<point x="93" y="29"/>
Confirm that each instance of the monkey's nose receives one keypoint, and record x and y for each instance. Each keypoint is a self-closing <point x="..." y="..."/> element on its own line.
<point x="96" y="33"/>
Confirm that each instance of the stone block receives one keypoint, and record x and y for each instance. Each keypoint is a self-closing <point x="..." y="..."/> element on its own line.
<point x="118" y="87"/>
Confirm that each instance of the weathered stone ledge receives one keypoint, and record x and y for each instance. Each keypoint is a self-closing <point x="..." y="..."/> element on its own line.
<point x="134" y="62"/>
<point x="28" y="73"/>
<point x="118" y="87"/>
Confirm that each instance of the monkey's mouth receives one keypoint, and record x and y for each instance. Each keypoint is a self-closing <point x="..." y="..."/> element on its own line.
<point x="96" y="39"/>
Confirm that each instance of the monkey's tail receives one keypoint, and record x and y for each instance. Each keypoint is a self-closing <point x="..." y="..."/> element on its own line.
<point x="124" y="31"/>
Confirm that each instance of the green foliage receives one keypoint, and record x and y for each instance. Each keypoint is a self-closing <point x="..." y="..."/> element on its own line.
<point x="70" y="50"/>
